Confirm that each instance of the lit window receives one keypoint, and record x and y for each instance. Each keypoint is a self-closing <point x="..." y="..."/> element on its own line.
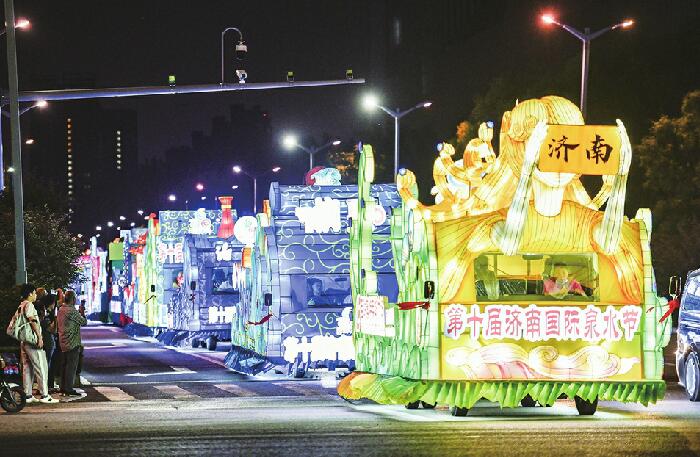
<point x="536" y="276"/>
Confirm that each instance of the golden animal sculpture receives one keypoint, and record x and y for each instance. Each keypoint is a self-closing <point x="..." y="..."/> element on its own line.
<point x="512" y="198"/>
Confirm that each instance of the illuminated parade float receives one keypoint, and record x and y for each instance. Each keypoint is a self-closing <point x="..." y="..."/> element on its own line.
<point x="299" y="311"/>
<point x="181" y="278"/>
<point x="514" y="287"/>
<point x="92" y="281"/>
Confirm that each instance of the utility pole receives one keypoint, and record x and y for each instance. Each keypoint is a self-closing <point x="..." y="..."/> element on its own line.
<point x="17" y="189"/>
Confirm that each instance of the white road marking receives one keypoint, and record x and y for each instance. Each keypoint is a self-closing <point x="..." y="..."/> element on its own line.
<point x="114" y="393"/>
<point x="162" y="373"/>
<point x="113" y="345"/>
<point x="299" y="387"/>
<point x="237" y="390"/>
<point x="177" y="393"/>
<point x="199" y="356"/>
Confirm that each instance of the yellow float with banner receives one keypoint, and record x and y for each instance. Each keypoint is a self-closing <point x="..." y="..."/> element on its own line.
<point x="514" y="286"/>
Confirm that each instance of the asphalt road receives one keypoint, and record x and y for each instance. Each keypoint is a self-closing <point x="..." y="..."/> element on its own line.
<point x="208" y="410"/>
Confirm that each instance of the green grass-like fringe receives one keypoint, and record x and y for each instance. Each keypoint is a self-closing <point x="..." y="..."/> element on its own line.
<point x="398" y="390"/>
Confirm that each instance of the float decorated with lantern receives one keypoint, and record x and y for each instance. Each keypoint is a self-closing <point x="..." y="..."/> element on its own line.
<point x="298" y="315"/>
<point x="516" y="286"/>
<point x="184" y="277"/>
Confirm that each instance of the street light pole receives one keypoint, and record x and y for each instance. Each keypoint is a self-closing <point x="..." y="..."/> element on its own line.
<point x="17" y="190"/>
<point x="254" y="177"/>
<point x="397" y="114"/>
<point x="240" y="34"/>
<point x="290" y="142"/>
<point x="585" y="37"/>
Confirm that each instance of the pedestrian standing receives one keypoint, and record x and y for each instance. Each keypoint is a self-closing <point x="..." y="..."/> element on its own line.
<point x="69" y="323"/>
<point x="47" y="314"/>
<point x="34" y="366"/>
<point x="57" y="364"/>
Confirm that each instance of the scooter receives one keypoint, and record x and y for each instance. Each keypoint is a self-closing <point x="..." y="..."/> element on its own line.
<point x="12" y="396"/>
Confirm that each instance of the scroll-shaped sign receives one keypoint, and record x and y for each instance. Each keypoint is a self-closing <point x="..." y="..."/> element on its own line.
<point x="582" y="149"/>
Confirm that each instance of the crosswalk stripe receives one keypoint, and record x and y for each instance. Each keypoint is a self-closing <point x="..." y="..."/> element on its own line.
<point x="114" y="393"/>
<point x="299" y="388"/>
<point x="177" y="393"/>
<point x="237" y="390"/>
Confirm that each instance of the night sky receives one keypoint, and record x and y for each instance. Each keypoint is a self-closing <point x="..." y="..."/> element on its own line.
<point x="447" y="51"/>
<point x="131" y="43"/>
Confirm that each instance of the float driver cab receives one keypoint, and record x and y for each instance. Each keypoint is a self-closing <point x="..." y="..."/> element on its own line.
<point x="536" y="277"/>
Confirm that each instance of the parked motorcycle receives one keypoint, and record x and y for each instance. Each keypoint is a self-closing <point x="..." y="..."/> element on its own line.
<point x="12" y="396"/>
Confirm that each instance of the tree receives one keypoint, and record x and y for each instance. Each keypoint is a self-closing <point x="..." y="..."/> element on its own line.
<point x="665" y="177"/>
<point x="346" y="163"/>
<point x="51" y="253"/>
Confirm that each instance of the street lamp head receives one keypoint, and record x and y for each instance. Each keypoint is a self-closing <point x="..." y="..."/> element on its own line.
<point x="172" y="197"/>
<point x="548" y="19"/>
<point x="110" y="224"/>
<point x="289" y="141"/>
<point x="122" y="218"/>
<point x="627" y="23"/>
<point x="237" y="169"/>
<point x="41" y="104"/>
<point x="276" y="169"/>
<point x="427" y="104"/>
<point x="98" y="228"/>
<point x="10" y="169"/>
<point x="199" y="186"/>
<point x="370" y="102"/>
<point x="22" y="23"/>
<point x="132" y="224"/>
<point x="336" y="143"/>
<point x="234" y="187"/>
<point x="29" y="141"/>
<point x="140" y="212"/>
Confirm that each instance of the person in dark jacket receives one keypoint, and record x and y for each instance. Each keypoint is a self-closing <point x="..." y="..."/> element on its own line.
<point x="69" y="322"/>
<point x="49" y="331"/>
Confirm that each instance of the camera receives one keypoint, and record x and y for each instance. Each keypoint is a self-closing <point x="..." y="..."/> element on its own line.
<point x="241" y="50"/>
<point x="242" y="76"/>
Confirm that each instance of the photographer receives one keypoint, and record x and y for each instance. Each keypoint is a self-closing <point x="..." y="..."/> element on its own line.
<point x="69" y="322"/>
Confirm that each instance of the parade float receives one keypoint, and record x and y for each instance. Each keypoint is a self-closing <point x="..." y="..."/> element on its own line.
<point x="298" y="311"/>
<point x="206" y="290"/>
<point x="92" y="283"/>
<point x="181" y="276"/>
<point x="515" y="286"/>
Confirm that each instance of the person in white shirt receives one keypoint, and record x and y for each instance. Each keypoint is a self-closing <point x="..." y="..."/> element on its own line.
<point x="34" y="365"/>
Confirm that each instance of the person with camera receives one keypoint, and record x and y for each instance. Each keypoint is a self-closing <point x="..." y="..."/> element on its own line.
<point x="46" y="307"/>
<point x="34" y="366"/>
<point x="69" y="322"/>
